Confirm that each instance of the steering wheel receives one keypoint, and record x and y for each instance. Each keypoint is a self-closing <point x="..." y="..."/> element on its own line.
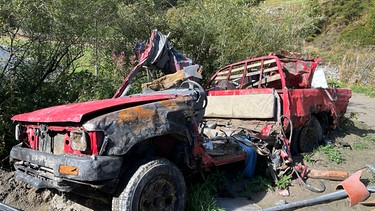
<point x="192" y="85"/>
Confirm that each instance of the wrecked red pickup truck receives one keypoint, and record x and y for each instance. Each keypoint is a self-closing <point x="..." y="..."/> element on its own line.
<point x="276" y="90"/>
<point x="130" y="150"/>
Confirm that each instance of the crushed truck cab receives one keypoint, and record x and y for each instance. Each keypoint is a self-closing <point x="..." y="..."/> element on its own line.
<point x="131" y="150"/>
<point x="85" y="141"/>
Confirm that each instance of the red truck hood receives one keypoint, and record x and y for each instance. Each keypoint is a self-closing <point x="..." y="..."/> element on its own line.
<point x="76" y="111"/>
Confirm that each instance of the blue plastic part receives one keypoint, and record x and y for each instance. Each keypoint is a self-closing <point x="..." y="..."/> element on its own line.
<point x="251" y="159"/>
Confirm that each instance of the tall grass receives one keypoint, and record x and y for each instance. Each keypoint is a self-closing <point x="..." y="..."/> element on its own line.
<point x="367" y="90"/>
<point x="282" y="3"/>
<point x="201" y="195"/>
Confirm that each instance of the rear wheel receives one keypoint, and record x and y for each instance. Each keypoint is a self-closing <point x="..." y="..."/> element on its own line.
<point x="310" y="136"/>
<point x="155" y="185"/>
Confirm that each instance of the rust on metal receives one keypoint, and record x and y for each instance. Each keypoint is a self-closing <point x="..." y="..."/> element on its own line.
<point x="170" y="104"/>
<point x="368" y="203"/>
<point x="137" y="114"/>
<point x="327" y="174"/>
<point x="128" y="126"/>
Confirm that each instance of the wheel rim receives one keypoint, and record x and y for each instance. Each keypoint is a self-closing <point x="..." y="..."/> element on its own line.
<point x="158" y="194"/>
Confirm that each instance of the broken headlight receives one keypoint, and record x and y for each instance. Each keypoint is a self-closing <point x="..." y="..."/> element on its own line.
<point x="79" y="140"/>
<point x="20" y="132"/>
<point x="17" y="132"/>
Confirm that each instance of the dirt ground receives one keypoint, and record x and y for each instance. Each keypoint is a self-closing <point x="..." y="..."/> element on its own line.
<point x="358" y="132"/>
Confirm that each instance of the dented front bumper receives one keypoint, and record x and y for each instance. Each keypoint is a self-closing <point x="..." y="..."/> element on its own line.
<point x="64" y="172"/>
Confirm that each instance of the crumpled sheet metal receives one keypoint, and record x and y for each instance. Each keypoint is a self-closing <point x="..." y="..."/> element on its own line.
<point x="355" y="189"/>
<point x="128" y="126"/>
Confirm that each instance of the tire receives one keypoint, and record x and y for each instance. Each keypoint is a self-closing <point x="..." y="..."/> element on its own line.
<point x="294" y="148"/>
<point x="310" y="136"/>
<point x="155" y="185"/>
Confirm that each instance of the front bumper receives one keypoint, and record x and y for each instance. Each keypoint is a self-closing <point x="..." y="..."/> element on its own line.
<point x="41" y="169"/>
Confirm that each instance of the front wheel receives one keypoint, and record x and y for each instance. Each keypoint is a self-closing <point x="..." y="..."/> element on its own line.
<point x="155" y="185"/>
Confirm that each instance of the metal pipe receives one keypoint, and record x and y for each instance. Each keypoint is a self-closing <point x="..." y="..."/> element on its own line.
<point x="6" y="207"/>
<point x="309" y="202"/>
<point x="318" y="200"/>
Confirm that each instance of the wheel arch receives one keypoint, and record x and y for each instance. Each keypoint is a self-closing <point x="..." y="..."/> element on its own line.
<point x="172" y="147"/>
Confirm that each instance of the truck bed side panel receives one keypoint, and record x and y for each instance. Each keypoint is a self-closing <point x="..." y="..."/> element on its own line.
<point x="303" y="102"/>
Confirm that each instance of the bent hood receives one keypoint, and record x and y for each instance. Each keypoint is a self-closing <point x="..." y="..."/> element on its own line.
<point x="76" y="112"/>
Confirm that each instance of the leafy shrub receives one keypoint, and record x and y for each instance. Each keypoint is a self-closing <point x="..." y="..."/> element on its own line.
<point x="332" y="153"/>
<point x="284" y="182"/>
<point x="355" y="20"/>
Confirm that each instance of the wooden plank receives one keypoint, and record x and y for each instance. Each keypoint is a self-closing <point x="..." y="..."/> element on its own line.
<point x="219" y="78"/>
<point x="264" y="71"/>
<point x="223" y="73"/>
<point x="259" y="63"/>
<point x="230" y="78"/>
<point x="236" y="76"/>
<point x="233" y="70"/>
<point x="248" y="66"/>
<point x="268" y="79"/>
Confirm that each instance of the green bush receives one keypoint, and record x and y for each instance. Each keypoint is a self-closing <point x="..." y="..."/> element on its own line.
<point x="353" y="20"/>
<point x="361" y="33"/>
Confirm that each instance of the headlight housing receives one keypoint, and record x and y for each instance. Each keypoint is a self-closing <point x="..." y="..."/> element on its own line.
<point x="79" y="140"/>
<point x="17" y="132"/>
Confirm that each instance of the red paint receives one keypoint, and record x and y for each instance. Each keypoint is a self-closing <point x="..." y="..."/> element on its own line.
<point x="298" y="100"/>
<point x="32" y="137"/>
<point x="96" y="141"/>
<point x="230" y="159"/>
<point x="74" y="113"/>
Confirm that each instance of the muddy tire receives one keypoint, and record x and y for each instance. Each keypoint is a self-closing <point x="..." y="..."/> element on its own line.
<point x="310" y="136"/>
<point x="294" y="148"/>
<point x="155" y="185"/>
